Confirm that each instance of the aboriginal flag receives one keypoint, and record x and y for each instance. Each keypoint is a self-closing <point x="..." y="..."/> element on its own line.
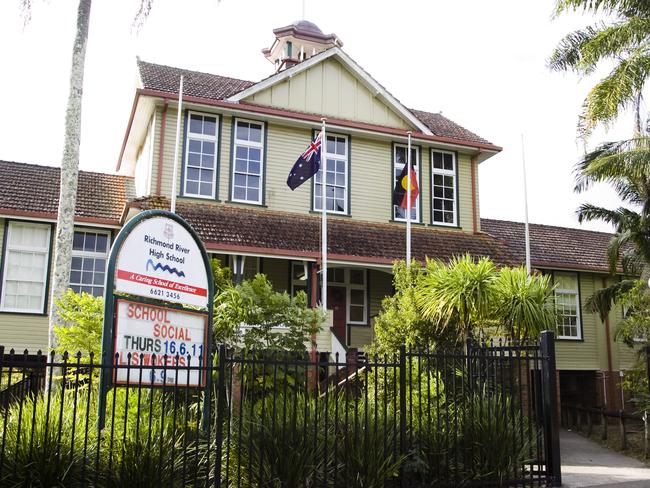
<point x="401" y="185"/>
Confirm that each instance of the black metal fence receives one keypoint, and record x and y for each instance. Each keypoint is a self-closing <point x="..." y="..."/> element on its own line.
<point x="484" y="415"/>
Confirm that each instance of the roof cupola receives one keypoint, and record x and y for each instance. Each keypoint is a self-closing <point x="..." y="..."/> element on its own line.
<point x="297" y="42"/>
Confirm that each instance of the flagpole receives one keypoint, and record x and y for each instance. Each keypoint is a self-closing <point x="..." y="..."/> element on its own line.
<point x="408" y="202"/>
<point x="178" y="137"/>
<point x="323" y="201"/>
<point x="526" y="226"/>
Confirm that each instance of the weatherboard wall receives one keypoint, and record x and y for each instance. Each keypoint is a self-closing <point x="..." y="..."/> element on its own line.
<point x="370" y="172"/>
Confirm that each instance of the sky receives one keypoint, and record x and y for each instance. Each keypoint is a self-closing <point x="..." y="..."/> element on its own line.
<point x="482" y="64"/>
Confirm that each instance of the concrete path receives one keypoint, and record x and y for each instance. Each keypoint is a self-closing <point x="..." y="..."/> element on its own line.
<point x="587" y="464"/>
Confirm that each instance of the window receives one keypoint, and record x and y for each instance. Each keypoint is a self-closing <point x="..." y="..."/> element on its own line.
<point x="336" y="179"/>
<point x="25" y="267"/>
<point x="201" y="156"/>
<point x="248" y="155"/>
<point x="399" y="158"/>
<point x="89" y="257"/>
<point x="250" y="269"/>
<point x="567" y="305"/>
<point x="443" y="183"/>
<point x="299" y="270"/>
<point x="354" y="280"/>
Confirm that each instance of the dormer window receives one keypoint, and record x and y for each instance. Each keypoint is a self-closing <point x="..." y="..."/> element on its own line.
<point x="399" y="161"/>
<point x="336" y="161"/>
<point x="200" y="169"/>
<point x="444" y="188"/>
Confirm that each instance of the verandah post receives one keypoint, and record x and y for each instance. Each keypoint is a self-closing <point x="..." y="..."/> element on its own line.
<point x="549" y="399"/>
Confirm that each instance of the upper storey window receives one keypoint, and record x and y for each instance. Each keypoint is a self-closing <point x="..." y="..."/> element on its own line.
<point x="399" y="161"/>
<point x="567" y="305"/>
<point x="248" y="157"/>
<point x="201" y="156"/>
<point x="444" y="188"/>
<point x="336" y="163"/>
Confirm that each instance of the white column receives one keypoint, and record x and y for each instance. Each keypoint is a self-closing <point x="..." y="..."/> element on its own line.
<point x="179" y="114"/>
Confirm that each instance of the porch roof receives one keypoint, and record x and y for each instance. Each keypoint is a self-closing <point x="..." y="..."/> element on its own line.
<point x="236" y="228"/>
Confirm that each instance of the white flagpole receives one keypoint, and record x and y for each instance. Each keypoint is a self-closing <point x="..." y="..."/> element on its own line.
<point x="526" y="226"/>
<point x="408" y="202"/>
<point x="323" y="201"/>
<point x="179" y="114"/>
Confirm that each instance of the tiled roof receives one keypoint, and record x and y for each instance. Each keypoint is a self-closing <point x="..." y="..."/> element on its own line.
<point x="228" y="226"/>
<point x="443" y="127"/>
<point x="163" y="78"/>
<point x="31" y="189"/>
<point x="553" y="247"/>
<point x="167" y="78"/>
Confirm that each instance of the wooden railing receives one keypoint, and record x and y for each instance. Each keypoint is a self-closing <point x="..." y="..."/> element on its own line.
<point x="582" y="419"/>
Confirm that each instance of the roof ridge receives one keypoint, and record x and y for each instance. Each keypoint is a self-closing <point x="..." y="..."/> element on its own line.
<point x="548" y="226"/>
<point x="58" y="168"/>
<point x="141" y="61"/>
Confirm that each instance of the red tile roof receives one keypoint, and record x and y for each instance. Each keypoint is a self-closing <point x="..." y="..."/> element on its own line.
<point x="33" y="190"/>
<point x="166" y="79"/>
<point x="229" y="227"/>
<point x="553" y="247"/>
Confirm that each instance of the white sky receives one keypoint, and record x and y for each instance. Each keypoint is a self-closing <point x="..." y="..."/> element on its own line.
<point x="483" y="64"/>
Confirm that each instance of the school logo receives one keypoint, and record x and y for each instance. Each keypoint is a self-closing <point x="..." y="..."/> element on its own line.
<point x="156" y="266"/>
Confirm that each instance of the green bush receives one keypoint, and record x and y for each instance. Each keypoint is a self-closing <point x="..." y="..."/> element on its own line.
<point x="44" y="441"/>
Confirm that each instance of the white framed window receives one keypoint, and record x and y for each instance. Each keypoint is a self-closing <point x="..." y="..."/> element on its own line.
<point x="355" y="282"/>
<point x="567" y="305"/>
<point x="200" y="172"/>
<point x="399" y="161"/>
<point x="248" y="157"/>
<point x="335" y="161"/>
<point x="299" y="270"/>
<point x="89" y="257"/>
<point x="26" y="259"/>
<point x="443" y="188"/>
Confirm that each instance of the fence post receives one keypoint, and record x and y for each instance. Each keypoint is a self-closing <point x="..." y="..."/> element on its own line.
<point x="603" y="419"/>
<point x="221" y="399"/>
<point x="402" y="409"/>
<point x="549" y="394"/>
<point x="646" y="435"/>
<point x="621" y="423"/>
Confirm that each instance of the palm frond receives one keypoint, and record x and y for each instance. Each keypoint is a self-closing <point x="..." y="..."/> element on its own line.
<point x="602" y="300"/>
<point x="588" y="212"/>
<point x="617" y="91"/>
<point x="624" y="8"/>
<point x="141" y="15"/>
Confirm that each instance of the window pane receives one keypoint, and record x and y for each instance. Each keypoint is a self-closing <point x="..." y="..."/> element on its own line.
<point x="210" y="126"/>
<point x="357" y="297"/>
<point x="255" y="133"/>
<point x="102" y="243"/>
<point x="357" y="276"/>
<point x="78" y="241"/>
<point x="356" y="313"/>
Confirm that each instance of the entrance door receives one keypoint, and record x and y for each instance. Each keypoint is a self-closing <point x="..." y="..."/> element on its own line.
<point x="336" y="303"/>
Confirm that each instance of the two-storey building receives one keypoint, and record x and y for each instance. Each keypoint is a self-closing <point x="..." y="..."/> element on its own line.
<point x="239" y="141"/>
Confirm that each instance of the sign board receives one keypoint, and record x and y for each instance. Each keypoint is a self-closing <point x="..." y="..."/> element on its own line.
<point x="160" y="259"/>
<point x="149" y="337"/>
<point x="171" y="341"/>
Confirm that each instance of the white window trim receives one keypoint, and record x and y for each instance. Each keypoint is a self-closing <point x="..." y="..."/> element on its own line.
<point x="295" y="282"/>
<point x="323" y="167"/>
<point x="416" y="168"/>
<point x="260" y="146"/>
<point x="354" y="286"/>
<point x="576" y="293"/>
<point x="89" y="254"/>
<point x="200" y="137"/>
<point x="445" y="172"/>
<point x="8" y="247"/>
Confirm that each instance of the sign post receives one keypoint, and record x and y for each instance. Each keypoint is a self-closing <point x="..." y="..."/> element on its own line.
<point x="158" y="308"/>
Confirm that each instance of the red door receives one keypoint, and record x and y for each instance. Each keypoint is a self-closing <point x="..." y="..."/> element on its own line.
<point x="336" y="303"/>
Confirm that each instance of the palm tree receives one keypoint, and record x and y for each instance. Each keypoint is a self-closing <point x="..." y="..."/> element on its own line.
<point x="625" y="41"/>
<point x="70" y="159"/>
<point x="625" y="165"/>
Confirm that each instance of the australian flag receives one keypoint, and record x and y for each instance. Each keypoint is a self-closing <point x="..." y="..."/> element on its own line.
<point x="307" y="164"/>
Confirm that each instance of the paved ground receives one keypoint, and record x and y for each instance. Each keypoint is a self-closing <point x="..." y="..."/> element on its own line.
<point x="587" y="464"/>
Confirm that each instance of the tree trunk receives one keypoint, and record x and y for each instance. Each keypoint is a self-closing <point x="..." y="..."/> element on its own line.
<point x="69" y="168"/>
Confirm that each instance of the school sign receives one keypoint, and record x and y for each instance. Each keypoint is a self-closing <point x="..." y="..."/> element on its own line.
<point x="158" y="314"/>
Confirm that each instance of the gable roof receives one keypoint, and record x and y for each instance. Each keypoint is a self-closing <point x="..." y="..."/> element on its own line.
<point x="237" y="229"/>
<point x="162" y="78"/>
<point x="553" y="247"/>
<point x="31" y="190"/>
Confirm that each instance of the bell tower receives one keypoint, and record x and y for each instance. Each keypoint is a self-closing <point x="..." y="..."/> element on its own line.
<point x="297" y="42"/>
